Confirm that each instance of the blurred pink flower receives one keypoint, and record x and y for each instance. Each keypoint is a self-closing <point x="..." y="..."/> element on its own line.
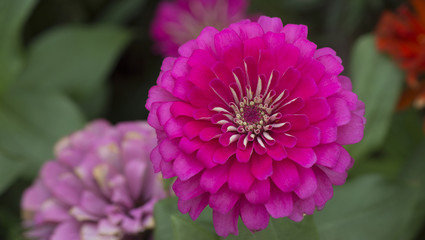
<point x="100" y="186"/>
<point x="177" y="22"/>
<point x="251" y="120"/>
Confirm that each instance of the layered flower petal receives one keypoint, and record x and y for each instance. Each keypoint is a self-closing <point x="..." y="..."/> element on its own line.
<point x="265" y="118"/>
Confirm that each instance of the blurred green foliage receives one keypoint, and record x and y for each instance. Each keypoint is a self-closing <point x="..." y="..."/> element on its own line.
<point x="66" y="62"/>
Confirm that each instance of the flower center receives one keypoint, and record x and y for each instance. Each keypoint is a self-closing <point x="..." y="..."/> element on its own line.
<point x="251" y="115"/>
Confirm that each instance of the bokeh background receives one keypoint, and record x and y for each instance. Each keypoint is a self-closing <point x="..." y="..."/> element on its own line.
<point x="66" y="62"/>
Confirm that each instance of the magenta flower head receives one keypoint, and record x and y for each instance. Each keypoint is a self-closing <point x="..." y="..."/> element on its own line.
<point x="100" y="186"/>
<point x="179" y="21"/>
<point x="251" y="120"/>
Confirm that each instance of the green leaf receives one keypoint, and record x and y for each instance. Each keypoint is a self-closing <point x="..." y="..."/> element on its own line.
<point x="167" y="217"/>
<point x="13" y="14"/>
<point x="413" y="175"/>
<point x="282" y="229"/>
<point x="184" y="228"/>
<point x="74" y="59"/>
<point x="162" y="213"/>
<point x="9" y="171"/>
<point x="403" y="137"/>
<point x="120" y="12"/>
<point x="32" y="122"/>
<point x="377" y="81"/>
<point x="369" y="208"/>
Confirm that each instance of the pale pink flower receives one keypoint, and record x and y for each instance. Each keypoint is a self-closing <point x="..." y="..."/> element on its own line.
<point x="100" y="186"/>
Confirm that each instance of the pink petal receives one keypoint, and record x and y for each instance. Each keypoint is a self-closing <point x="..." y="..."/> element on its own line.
<point x="258" y="148"/>
<point x="292" y="106"/>
<point x="225" y="138"/>
<point x="289" y="80"/>
<point x="67" y="230"/>
<point x="255" y="216"/>
<point x="297" y="121"/>
<point x="203" y="57"/>
<point x="248" y="30"/>
<point x="285" y="175"/>
<point x="306" y="47"/>
<point x="240" y="177"/>
<point x="226" y="224"/>
<point x="352" y="132"/>
<point x="244" y="155"/>
<point x="221" y="90"/>
<point x="324" y="51"/>
<point x="332" y="64"/>
<point x="253" y="46"/>
<point x="52" y="210"/>
<point x="180" y="70"/>
<point x="329" y="85"/>
<point x="190" y="145"/>
<point x="327" y="154"/>
<point x="93" y="203"/>
<point x="205" y="154"/>
<point x="156" y="159"/>
<point x="167" y="169"/>
<point x="287" y="57"/>
<point x="270" y="24"/>
<point x="212" y="179"/>
<point x="134" y="172"/>
<point x="285" y="139"/>
<point x="225" y="40"/>
<point x="186" y="166"/>
<point x="266" y="63"/>
<point x="328" y="130"/>
<point x="316" y="109"/>
<point x="222" y="154"/>
<point x="187" y="48"/>
<point x="188" y="189"/>
<point x="308" y="137"/>
<point x="277" y="152"/>
<point x="205" y="39"/>
<point x="169" y="149"/>
<point x="34" y="196"/>
<point x="324" y="190"/>
<point x="340" y="111"/>
<point x="192" y="128"/>
<point x="344" y="162"/>
<point x="308" y="183"/>
<point x="336" y="178"/>
<point x="210" y="133"/>
<point x="294" y="32"/>
<point x="305" y="157"/>
<point x="158" y="94"/>
<point x="182" y="109"/>
<point x="194" y="206"/>
<point x="261" y="166"/>
<point x="153" y="116"/>
<point x="280" y="203"/>
<point x="174" y="127"/>
<point x="259" y="192"/>
<point x="224" y="200"/>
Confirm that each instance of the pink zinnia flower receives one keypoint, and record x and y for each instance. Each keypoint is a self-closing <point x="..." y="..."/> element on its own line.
<point x="100" y="186"/>
<point x="179" y="21"/>
<point x="251" y="120"/>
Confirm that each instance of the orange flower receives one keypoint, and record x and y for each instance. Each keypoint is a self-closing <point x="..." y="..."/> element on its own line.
<point x="402" y="36"/>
